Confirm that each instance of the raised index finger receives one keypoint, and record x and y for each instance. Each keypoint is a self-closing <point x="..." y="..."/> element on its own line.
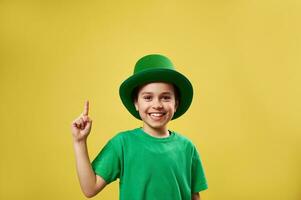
<point x="86" y="109"/>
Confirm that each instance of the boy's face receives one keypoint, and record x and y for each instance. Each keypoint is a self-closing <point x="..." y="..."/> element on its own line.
<point x="156" y="104"/>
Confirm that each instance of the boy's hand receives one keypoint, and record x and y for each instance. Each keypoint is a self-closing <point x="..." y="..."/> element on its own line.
<point x="81" y="126"/>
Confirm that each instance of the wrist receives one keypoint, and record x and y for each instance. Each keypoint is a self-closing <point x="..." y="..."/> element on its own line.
<point x="79" y="141"/>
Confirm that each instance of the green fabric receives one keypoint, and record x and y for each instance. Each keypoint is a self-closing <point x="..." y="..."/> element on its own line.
<point x="151" y="168"/>
<point x="153" y="61"/>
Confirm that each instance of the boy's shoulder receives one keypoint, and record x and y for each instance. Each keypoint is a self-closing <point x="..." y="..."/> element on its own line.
<point x="183" y="138"/>
<point x="124" y="134"/>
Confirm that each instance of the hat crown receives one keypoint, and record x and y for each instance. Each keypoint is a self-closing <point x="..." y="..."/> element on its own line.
<point x="153" y="61"/>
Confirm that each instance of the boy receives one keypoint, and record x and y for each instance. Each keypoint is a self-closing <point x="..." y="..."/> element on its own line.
<point x="151" y="162"/>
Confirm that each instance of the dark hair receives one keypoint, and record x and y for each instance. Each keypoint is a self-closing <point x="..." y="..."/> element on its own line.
<point x="137" y="89"/>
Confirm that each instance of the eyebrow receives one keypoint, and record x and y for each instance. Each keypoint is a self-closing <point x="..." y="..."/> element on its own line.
<point x="152" y="93"/>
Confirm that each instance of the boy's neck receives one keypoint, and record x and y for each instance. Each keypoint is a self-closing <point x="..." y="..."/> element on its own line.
<point x="159" y="133"/>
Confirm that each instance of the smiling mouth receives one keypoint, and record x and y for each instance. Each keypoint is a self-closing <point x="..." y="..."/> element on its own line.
<point x="157" y="114"/>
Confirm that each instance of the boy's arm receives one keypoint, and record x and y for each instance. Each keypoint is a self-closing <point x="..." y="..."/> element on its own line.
<point x="90" y="183"/>
<point x="196" y="196"/>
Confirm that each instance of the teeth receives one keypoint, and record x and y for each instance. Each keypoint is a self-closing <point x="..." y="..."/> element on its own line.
<point x="156" y="114"/>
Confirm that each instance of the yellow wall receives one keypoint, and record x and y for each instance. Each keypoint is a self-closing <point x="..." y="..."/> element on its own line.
<point x="243" y="58"/>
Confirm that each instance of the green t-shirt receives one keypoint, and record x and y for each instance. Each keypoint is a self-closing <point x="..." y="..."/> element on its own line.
<point x="151" y="168"/>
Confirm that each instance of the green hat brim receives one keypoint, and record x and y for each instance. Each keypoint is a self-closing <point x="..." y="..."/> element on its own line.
<point x="157" y="75"/>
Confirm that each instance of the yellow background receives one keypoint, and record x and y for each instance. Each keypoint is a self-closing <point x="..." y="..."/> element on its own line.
<point x="243" y="58"/>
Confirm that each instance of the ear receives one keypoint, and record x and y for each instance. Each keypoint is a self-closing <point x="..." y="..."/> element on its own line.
<point x="136" y="104"/>
<point x="176" y="105"/>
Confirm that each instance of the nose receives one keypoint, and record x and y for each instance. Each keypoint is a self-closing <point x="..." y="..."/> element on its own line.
<point x="157" y="104"/>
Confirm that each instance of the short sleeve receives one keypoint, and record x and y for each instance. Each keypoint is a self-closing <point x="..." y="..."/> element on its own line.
<point x="107" y="163"/>
<point x="198" y="180"/>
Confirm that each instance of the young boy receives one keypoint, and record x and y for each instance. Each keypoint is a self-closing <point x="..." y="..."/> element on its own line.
<point x="151" y="162"/>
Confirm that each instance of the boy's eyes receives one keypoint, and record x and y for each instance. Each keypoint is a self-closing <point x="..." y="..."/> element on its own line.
<point x="150" y="97"/>
<point x="147" y="97"/>
<point x="166" y="97"/>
